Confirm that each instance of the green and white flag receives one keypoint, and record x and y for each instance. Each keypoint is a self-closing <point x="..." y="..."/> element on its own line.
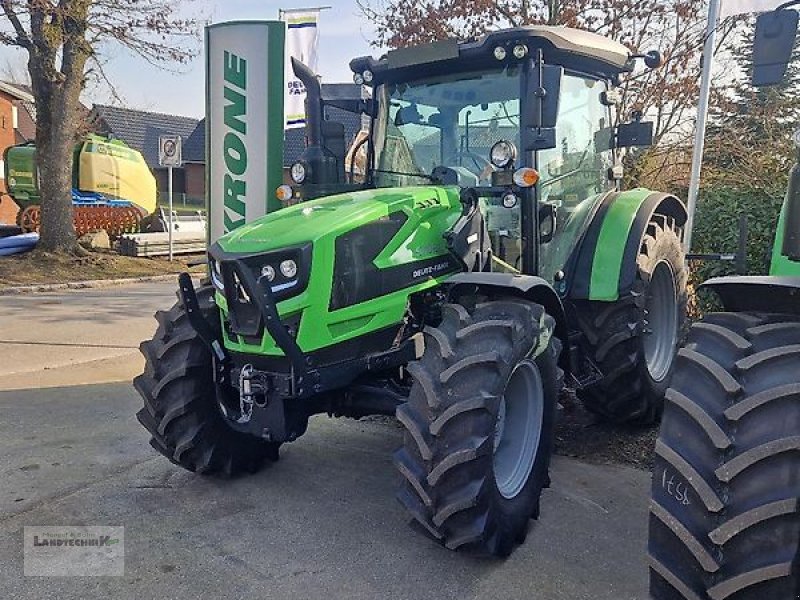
<point x="731" y="8"/>
<point x="302" y="41"/>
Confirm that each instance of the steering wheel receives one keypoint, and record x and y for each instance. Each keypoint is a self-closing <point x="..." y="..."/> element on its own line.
<point x="482" y="164"/>
<point x="476" y="158"/>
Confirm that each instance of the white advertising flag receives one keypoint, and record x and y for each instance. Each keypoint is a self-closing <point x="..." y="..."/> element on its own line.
<point x="302" y="40"/>
<point x="730" y="8"/>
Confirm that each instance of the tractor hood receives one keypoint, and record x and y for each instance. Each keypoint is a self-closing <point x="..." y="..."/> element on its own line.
<point x="332" y="216"/>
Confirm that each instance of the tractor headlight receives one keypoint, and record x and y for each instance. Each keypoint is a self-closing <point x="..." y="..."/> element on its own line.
<point x="268" y="271"/>
<point x="299" y="172"/>
<point x="286" y="271"/>
<point x="520" y="50"/>
<point x="503" y="154"/>
<point x="358" y="79"/>
<point x="289" y="268"/>
<point x="367" y="76"/>
<point x="500" y="53"/>
<point x="510" y="200"/>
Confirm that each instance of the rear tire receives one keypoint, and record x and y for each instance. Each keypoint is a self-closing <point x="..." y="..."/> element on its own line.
<point x="472" y="473"/>
<point x="633" y="341"/>
<point x="725" y="509"/>
<point x="181" y="411"/>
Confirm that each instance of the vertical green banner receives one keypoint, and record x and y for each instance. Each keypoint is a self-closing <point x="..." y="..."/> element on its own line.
<point x="244" y="122"/>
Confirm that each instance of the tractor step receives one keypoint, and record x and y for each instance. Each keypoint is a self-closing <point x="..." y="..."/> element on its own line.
<point x="585" y="373"/>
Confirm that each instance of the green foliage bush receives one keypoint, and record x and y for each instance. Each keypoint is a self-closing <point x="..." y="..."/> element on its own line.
<point x="716" y="228"/>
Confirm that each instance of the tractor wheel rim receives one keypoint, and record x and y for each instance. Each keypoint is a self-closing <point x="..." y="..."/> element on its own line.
<point x="518" y="429"/>
<point x="661" y="322"/>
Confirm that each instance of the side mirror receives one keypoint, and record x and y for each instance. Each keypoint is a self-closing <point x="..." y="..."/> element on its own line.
<point x="636" y="133"/>
<point x="546" y="94"/>
<point x="773" y="46"/>
<point x="540" y="118"/>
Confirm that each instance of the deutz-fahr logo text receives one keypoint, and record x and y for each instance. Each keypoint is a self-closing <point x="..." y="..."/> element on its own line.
<point x="432" y="270"/>
<point x="234" y="148"/>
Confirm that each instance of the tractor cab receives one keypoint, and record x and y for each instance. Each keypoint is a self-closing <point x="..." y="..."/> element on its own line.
<point x="525" y="117"/>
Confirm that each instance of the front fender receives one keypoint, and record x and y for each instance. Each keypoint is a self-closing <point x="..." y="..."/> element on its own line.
<point x="606" y="266"/>
<point x="529" y="287"/>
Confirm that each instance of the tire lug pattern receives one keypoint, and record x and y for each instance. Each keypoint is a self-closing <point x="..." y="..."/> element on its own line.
<point x="731" y="431"/>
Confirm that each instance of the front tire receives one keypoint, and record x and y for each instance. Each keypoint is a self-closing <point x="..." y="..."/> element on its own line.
<point x="479" y="425"/>
<point x="633" y="341"/>
<point x="181" y="409"/>
<point x="725" y="508"/>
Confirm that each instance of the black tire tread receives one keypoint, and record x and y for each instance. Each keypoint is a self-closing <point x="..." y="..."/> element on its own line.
<point x="449" y="421"/>
<point x="737" y="378"/>
<point x="612" y="336"/>
<point x="180" y="410"/>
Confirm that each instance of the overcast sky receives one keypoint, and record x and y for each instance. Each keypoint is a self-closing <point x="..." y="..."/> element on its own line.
<point x="344" y="34"/>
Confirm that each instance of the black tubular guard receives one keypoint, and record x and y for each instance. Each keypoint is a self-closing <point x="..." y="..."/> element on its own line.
<point x="198" y="322"/>
<point x="262" y="296"/>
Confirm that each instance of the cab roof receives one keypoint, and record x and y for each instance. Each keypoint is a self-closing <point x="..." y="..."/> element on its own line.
<point x="574" y="49"/>
<point x="584" y="43"/>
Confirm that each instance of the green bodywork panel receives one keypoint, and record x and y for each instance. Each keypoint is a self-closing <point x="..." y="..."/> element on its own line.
<point x="782" y="266"/>
<point x="609" y="254"/>
<point x="21" y="169"/>
<point x="21" y="176"/>
<point x="430" y="211"/>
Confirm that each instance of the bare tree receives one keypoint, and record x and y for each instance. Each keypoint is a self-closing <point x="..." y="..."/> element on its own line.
<point x="64" y="40"/>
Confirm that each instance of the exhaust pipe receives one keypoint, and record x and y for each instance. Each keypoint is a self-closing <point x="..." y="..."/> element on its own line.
<point x="323" y="167"/>
<point x="313" y="101"/>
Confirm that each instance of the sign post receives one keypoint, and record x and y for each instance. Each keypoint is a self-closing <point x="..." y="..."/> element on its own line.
<point x="170" y="156"/>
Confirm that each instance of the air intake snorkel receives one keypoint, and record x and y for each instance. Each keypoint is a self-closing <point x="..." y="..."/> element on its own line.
<point x="321" y="164"/>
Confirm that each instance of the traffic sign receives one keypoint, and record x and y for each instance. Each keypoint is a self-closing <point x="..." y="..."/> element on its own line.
<point x="169" y="151"/>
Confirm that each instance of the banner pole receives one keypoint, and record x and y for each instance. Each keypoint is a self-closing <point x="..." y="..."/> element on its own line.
<point x="702" y="120"/>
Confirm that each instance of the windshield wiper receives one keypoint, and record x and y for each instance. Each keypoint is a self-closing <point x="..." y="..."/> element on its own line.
<point x="430" y="178"/>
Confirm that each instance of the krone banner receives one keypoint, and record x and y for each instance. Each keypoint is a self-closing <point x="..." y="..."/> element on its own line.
<point x="244" y="122"/>
<point x="302" y="40"/>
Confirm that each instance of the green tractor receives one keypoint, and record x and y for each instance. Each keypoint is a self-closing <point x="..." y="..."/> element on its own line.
<point x="487" y="260"/>
<point x="725" y="503"/>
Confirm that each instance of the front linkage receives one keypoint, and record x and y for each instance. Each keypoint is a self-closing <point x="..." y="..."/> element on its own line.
<point x="262" y="393"/>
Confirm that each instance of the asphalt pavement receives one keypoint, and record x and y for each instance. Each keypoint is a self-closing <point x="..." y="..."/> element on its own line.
<point x="320" y="523"/>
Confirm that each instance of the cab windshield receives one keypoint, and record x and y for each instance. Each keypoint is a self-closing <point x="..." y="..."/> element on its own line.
<point x="449" y="121"/>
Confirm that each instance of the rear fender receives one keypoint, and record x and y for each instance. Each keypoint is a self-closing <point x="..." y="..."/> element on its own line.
<point x="529" y="287"/>
<point x="757" y="294"/>
<point x="606" y="267"/>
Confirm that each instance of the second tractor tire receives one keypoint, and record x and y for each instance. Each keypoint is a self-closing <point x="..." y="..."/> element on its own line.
<point x="635" y="356"/>
<point x="725" y="504"/>
<point x="465" y="416"/>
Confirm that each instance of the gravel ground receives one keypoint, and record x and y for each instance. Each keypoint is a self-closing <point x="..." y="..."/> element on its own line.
<point x="580" y="434"/>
